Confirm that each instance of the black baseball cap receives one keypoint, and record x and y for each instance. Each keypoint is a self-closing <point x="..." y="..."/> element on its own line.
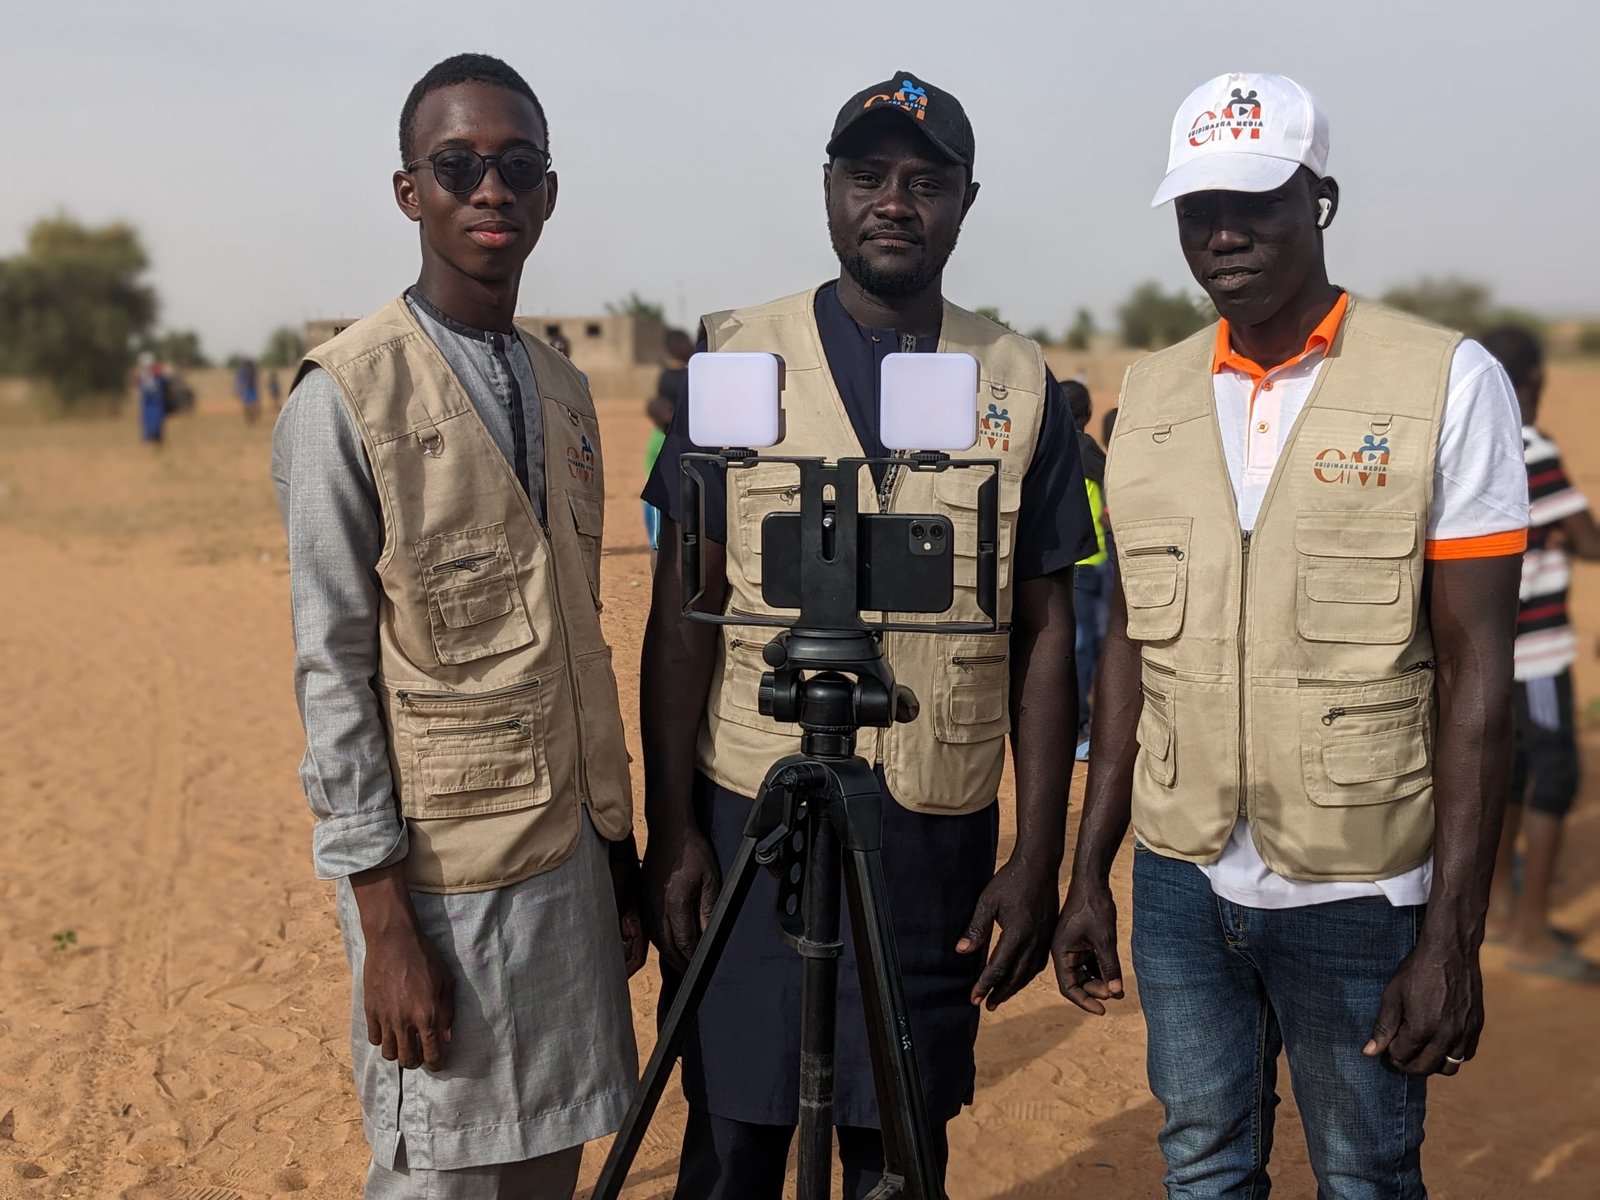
<point x="937" y="114"/>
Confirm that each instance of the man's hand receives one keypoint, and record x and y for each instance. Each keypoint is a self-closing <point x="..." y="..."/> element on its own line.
<point x="681" y="882"/>
<point x="1021" y="899"/>
<point x="1432" y="1012"/>
<point x="624" y="862"/>
<point x="410" y="998"/>
<point x="1088" y="971"/>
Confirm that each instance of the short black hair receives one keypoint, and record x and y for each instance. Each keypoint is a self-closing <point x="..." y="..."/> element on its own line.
<point x="1517" y="349"/>
<point x="1078" y="402"/>
<point x="462" y="68"/>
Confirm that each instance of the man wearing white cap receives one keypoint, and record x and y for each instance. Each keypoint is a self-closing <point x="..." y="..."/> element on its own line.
<point x="1305" y="692"/>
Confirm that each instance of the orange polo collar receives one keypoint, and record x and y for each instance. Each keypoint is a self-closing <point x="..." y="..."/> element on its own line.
<point x="1224" y="356"/>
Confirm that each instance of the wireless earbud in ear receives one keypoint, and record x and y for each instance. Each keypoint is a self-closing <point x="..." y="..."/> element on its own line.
<point x="1324" y="211"/>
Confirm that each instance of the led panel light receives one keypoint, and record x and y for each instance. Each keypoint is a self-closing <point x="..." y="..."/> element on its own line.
<point x="733" y="400"/>
<point x="929" y="401"/>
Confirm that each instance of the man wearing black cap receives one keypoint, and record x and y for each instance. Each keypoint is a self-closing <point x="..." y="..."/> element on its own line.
<point x="897" y="186"/>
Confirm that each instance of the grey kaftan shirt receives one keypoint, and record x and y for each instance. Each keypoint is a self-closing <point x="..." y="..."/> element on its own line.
<point x="542" y="1055"/>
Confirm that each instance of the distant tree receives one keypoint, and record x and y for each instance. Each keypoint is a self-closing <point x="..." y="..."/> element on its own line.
<point x="635" y="305"/>
<point x="1042" y="335"/>
<point x="178" y="348"/>
<point x="1455" y="303"/>
<point x="73" y="305"/>
<point x="1589" y="339"/>
<point x="1081" y="331"/>
<point x="285" y="347"/>
<point x="993" y="314"/>
<point x="1151" y="318"/>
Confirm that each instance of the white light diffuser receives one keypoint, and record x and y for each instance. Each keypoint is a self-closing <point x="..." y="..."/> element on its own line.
<point x="733" y="400"/>
<point x="929" y="401"/>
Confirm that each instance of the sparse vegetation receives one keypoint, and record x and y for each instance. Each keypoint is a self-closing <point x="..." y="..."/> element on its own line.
<point x="285" y="347"/>
<point x="1151" y="318"/>
<point x="1082" y="329"/>
<point x="635" y="305"/>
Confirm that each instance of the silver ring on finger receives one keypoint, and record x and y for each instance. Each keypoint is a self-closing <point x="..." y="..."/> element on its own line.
<point x="1454" y="1062"/>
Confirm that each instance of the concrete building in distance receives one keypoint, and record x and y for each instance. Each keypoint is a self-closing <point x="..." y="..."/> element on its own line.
<point x="621" y="355"/>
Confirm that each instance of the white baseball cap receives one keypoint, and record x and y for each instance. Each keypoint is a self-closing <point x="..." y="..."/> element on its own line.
<point x="1244" y="133"/>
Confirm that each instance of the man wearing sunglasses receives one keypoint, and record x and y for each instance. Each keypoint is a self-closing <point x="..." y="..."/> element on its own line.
<point x="440" y="478"/>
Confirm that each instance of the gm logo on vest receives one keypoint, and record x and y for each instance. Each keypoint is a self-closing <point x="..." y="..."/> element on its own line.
<point x="996" y="430"/>
<point x="910" y="97"/>
<point x="580" y="460"/>
<point x="1239" y="114"/>
<point x="1370" y="461"/>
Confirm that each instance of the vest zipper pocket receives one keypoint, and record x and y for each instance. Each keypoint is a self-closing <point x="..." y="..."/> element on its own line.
<point x="984" y="660"/>
<point x="1161" y="668"/>
<point x="1149" y="551"/>
<point x="1426" y="664"/>
<point x="413" y="698"/>
<point x="520" y="727"/>
<point x="1333" y="714"/>
<point x="472" y="562"/>
<point x="786" y="492"/>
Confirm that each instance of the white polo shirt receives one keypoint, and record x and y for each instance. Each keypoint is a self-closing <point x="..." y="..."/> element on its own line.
<point x="1480" y="510"/>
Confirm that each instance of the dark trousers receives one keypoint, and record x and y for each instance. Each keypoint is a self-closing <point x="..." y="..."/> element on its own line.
<point x="725" y="1159"/>
<point x="1545" y="768"/>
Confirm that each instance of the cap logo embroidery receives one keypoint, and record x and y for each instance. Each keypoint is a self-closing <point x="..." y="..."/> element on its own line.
<point x="1240" y="115"/>
<point x="910" y="97"/>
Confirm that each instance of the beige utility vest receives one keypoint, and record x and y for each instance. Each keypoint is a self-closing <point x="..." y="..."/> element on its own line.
<point x="495" y="679"/>
<point x="1287" y="673"/>
<point x="949" y="759"/>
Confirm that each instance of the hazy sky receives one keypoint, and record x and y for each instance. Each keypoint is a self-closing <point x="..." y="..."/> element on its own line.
<point x="253" y="144"/>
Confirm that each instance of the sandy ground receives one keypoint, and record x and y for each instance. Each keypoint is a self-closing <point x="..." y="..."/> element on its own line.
<point x="173" y="998"/>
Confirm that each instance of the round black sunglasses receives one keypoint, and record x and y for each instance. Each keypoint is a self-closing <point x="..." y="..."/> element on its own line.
<point x="459" y="170"/>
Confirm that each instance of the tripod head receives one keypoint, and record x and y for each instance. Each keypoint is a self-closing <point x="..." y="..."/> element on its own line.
<point x="850" y="685"/>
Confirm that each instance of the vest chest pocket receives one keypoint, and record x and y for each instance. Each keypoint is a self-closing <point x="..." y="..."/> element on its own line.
<point x="974" y="689"/>
<point x="1356" y="578"/>
<point x="588" y="518"/>
<point x="1156" y="750"/>
<point x="475" y="607"/>
<point x="757" y="491"/>
<point x="957" y="494"/>
<point x="1152" y="557"/>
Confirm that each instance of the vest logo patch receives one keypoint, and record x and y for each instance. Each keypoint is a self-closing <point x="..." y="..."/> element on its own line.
<point x="1369" y="462"/>
<point x="995" y="428"/>
<point x="910" y="97"/>
<point x="580" y="460"/>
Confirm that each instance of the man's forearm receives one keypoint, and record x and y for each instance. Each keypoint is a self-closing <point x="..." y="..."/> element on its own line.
<point x="384" y="902"/>
<point x="1113" y="736"/>
<point x="1472" y="776"/>
<point x="1044" y="719"/>
<point x="674" y="679"/>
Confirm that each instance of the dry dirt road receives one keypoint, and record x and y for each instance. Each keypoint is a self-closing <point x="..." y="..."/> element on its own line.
<point x="172" y="992"/>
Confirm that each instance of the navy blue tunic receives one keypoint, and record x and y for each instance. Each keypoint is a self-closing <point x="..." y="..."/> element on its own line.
<point x="742" y="1062"/>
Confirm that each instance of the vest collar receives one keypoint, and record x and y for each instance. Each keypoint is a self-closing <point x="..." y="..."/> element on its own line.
<point x="1225" y="357"/>
<point x="415" y="296"/>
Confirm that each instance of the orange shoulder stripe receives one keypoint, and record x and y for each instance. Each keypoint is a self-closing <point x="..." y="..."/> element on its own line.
<point x="1490" y="545"/>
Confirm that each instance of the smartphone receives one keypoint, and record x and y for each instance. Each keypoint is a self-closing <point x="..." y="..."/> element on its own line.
<point x="907" y="562"/>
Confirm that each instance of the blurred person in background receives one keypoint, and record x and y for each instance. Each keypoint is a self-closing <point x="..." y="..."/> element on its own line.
<point x="151" y="384"/>
<point x="672" y="392"/>
<point x="1546" y="774"/>
<point x="275" y="391"/>
<point x="1304" y="699"/>
<point x="558" y="343"/>
<point x="1090" y="575"/>
<point x="244" y="386"/>
<point x="441" y="480"/>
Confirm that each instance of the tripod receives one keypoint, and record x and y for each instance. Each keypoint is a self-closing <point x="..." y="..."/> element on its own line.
<point x="816" y="821"/>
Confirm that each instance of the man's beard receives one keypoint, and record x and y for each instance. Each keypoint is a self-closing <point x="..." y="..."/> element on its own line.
<point x="889" y="283"/>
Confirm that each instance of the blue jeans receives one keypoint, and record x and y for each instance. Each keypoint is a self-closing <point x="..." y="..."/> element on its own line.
<point x="1224" y="989"/>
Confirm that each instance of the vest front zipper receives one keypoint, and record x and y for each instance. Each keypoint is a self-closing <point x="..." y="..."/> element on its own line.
<point x="1244" y="686"/>
<point x="521" y="727"/>
<point x="1333" y="714"/>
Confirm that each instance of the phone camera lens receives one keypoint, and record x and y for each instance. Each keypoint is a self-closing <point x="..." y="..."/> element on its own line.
<point x="938" y="533"/>
<point x="918" y="530"/>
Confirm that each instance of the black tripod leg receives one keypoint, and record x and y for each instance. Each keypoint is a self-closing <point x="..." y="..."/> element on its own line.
<point x="910" y="1167"/>
<point x="820" y="949"/>
<point x="669" y="1040"/>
